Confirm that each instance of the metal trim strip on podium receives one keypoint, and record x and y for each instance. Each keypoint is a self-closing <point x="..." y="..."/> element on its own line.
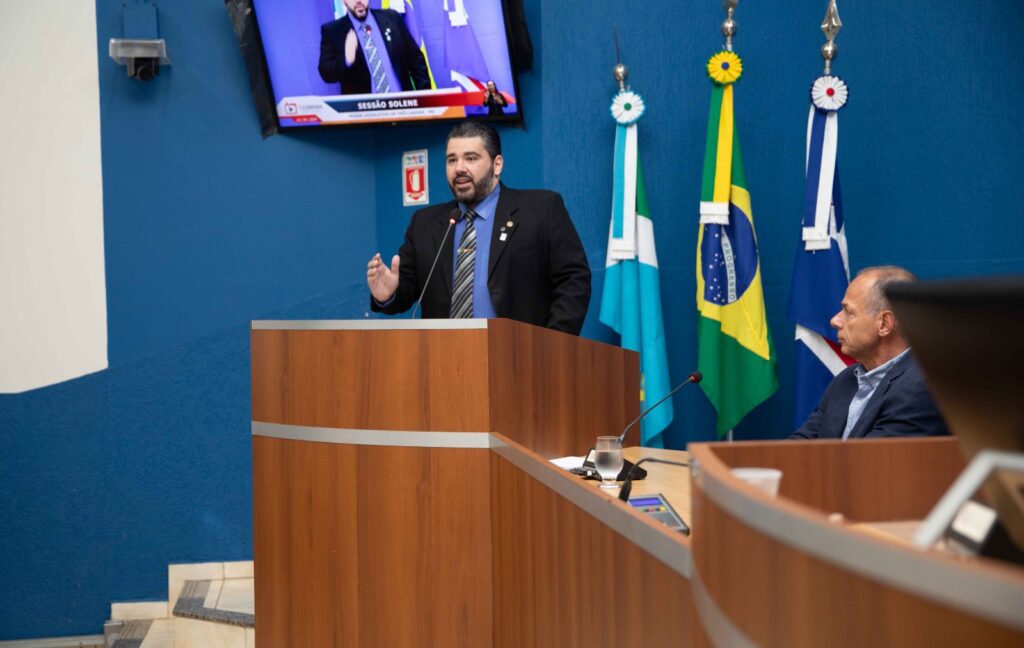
<point x="369" y="325"/>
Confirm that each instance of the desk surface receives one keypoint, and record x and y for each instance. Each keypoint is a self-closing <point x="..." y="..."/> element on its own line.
<point x="671" y="481"/>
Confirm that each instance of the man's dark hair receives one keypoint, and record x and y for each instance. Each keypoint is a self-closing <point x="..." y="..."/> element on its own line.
<point x="486" y="132"/>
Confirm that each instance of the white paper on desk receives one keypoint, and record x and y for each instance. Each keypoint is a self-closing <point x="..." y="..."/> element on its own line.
<point x="568" y="463"/>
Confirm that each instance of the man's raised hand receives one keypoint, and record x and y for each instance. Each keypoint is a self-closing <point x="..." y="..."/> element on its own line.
<point x="382" y="280"/>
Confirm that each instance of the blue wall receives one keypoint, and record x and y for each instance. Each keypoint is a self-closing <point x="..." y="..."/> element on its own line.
<point x="928" y="147"/>
<point x="108" y="478"/>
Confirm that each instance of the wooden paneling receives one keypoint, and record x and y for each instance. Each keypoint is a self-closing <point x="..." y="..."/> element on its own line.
<point x="781" y="596"/>
<point x="562" y="578"/>
<point x="361" y="545"/>
<point x="379" y="379"/>
<point x="872" y="480"/>
<point x="371" y="546"/>
<point x="555" y="393"/>
<point x="391" y="546"/>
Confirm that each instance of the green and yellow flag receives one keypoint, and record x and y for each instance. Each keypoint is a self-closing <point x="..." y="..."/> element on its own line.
<point x="735" y="347"/>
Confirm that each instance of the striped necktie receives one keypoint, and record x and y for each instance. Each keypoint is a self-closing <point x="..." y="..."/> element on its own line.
<point x="462" y="287"/>
<point x="377" y="73"/>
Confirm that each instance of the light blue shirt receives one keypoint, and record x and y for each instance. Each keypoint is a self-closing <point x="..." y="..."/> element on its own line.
<point x="484" y="224"/>
<point x="867" y="383"/>
<point x="382" y="51"/>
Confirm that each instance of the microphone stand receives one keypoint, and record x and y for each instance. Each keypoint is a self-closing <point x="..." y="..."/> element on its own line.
<point x="695" y="377"/>
<point x="452" y="219"/>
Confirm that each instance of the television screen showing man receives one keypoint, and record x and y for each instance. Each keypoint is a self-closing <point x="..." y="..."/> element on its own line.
<point x="359" y="62"/>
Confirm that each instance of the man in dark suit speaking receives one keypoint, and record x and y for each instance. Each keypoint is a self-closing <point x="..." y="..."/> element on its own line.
<point x="884" y="394"/>
<point x="371" y="51"/>
<point x="517" y="254"/>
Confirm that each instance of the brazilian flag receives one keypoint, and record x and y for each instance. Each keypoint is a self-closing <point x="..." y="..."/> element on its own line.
<point x="735" y="347"/>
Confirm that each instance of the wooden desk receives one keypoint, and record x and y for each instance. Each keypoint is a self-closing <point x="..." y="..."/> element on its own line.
<point x="425" y="525"/>
<point x="671" y="481"/>
<point x="783" y="574"/>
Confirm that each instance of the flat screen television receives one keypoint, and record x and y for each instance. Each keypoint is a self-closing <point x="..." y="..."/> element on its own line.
<point x="352" y="62"/>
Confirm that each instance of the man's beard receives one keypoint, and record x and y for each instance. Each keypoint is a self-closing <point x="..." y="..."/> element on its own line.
<point x="481" y="188"/>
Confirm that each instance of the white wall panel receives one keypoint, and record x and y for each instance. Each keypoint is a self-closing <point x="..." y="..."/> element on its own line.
<point x="53" y="322"/>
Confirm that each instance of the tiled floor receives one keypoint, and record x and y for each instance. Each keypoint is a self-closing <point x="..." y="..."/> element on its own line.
<point x="231" y="584"/>
<point x="236" y="595"/>
<point x="160" y="635"/>
<point x="197" y="625"/>
<point x="228" y="588"/>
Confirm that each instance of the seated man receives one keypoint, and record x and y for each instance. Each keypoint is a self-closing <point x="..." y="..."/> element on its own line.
<point x="884" y="394"/>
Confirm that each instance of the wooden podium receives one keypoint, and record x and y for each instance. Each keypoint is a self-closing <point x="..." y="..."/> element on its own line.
<point x="403" y="497"/>
<point x="373" y="510"/>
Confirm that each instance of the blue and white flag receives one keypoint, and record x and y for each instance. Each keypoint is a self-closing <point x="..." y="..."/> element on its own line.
<point x="631" y="301"/>
<point x="821" y="272"/>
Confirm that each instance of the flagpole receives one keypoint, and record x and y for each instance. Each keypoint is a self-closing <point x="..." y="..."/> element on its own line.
<point x="729" y="26"/>
<point x="729" y="29"/>
<point x="830" y="26"/>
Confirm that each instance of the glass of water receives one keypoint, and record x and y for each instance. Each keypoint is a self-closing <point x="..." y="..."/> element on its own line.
<point x="608" y="460"/>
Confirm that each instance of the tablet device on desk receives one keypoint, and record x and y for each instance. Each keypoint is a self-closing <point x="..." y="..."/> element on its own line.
<point x="658" y="508"/>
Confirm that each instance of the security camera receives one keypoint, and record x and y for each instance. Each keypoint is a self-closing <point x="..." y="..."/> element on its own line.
<point x="142" y="58"/>
<point x="143" y="69"/>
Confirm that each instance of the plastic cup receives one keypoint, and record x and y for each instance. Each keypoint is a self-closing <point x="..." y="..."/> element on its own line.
<point x="765" y="479"/>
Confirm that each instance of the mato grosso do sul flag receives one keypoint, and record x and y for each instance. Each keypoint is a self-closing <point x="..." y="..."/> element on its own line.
<point x="631" y="298"/>
<point x="735" y="351"/>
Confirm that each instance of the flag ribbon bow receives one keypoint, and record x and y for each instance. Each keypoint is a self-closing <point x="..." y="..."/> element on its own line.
<point x="627" y="108"/>
<point x="828" y="96"/>
<point x="724" y="68"/>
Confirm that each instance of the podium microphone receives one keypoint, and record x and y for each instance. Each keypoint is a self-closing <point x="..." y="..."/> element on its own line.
<point x="627" y="467"/>
<point x="454" y="216"/>
<point x="694" y="378"/>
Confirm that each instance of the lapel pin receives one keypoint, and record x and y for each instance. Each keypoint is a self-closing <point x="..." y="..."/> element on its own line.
<point x="508" y="224"/>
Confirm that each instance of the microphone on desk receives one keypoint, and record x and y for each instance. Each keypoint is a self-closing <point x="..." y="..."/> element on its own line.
<point x="454" y="216"/>
<point x="588" y="469"/>
<point x="694" y="378"/>
<point x="627" y="484"/>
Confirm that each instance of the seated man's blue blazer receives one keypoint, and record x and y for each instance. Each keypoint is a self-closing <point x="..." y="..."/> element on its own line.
<point x="901" y="406"/>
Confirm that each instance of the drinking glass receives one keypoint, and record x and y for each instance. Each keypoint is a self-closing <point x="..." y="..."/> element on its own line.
<point x="608" y="460"/>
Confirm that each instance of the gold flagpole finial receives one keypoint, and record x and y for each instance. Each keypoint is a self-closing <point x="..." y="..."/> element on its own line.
<point x="830" y="27"/>
<point x="620" y="72"/>
<point x="729" y="26"/>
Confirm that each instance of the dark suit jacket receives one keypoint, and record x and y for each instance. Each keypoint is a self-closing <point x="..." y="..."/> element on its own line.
<point x="406" y="57"/>
<point x="538" y="275"/>
<point x="900" y="406"/>
<point x="495" y="104"/>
